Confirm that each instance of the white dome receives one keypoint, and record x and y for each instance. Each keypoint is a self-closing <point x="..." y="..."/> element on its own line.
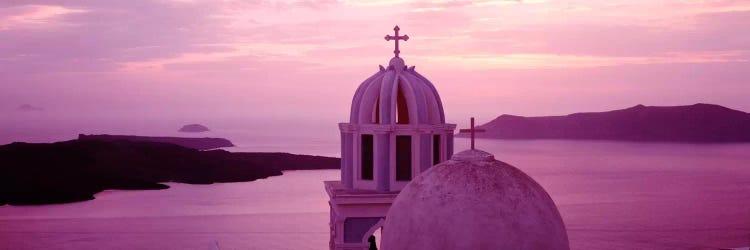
<point x="474" y="202"/>
<point x="397" y="95"/>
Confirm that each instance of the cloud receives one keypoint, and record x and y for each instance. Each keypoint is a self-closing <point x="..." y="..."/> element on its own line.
<point x="241" y="63"/>
<point x="103" y="36"/>
<point x="32" y="16"/>
<point x="542" y="61"/>
<point x="707" y="32"/>
<point x="135" y="49"/>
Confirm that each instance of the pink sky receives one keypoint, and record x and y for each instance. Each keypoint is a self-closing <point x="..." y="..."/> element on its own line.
<point x="302" y="60"/>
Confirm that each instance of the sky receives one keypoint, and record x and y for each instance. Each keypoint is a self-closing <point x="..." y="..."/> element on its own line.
<point x="300" y="61"/>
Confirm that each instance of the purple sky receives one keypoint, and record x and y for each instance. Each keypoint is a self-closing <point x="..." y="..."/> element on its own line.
<point x="302" y="60"/>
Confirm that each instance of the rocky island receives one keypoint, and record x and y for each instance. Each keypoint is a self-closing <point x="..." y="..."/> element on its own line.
<point x="29" y="107"/>
<point x="692" y="123"/>
<point x="69" y="171"/>
<point x="193" y="128"/>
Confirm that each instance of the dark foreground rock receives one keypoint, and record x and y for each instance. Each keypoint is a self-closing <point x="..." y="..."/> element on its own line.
<point x="693" y="123"/>
<point x="45" y="173"/>
<point x="195" y="143"/>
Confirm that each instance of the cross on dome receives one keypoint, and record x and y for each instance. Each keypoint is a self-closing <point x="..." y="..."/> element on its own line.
<point x="472" y="130"/>
<point x="396" y="37"/>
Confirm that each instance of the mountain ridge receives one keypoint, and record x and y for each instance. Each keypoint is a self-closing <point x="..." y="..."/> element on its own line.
<point x="699" y="122"/>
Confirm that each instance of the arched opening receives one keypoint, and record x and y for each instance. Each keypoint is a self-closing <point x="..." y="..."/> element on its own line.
<point x="402" y="111"/>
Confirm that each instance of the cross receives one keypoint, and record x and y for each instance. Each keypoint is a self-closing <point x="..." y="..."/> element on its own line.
<point x="472" y="130"/>
<point x="396" y="37"/>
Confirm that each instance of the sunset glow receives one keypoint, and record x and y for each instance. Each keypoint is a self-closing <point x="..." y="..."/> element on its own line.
<point x="520" y="57"/>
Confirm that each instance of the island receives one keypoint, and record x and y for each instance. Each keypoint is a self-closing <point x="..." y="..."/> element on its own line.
<point x="193" y="128"/>
<point x="691" y="123"/>
<point x="28" y="107"/>
<point x="188" y="142"/>
<point x="70" y="171"/>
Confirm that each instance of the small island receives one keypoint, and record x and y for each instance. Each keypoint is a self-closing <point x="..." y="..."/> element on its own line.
<point x="29" y="108"/>
<point x="193" y="128"/>
<point x="70" y="171"/>
<point x="692" y="123"/>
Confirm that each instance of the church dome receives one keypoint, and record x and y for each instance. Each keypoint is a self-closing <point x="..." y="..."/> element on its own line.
<point x="474" y="202"/>
<point x="396" y="128"/>
<point x="396" y="94"/>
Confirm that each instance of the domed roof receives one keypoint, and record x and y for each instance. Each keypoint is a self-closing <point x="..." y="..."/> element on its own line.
<point x="395" y="94"/>
<point x="474" y="202"/>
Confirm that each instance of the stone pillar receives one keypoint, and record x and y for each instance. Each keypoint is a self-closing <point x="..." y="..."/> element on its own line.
<point x="382" y="162"/>
<point x="449" y="145"/>
<point x="347" y="159"/>
<point x="425" y="152"/>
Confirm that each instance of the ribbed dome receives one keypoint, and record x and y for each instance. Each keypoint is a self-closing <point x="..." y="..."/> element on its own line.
<point x="397" y="95"/>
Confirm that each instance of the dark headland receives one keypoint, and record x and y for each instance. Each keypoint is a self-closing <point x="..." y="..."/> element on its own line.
<point x="692" y="123"/>
<point x="195" y="143"/>
<point x="45" y="173"/>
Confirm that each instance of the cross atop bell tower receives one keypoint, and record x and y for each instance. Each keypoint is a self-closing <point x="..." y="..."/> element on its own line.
<point x="396" y="37"/>
<point x="472" y="130"/>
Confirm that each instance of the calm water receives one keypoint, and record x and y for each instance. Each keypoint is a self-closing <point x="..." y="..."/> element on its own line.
<point x="611" y="195"/>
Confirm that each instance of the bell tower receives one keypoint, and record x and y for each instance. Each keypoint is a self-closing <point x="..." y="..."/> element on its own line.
<point x="396" y="131"/>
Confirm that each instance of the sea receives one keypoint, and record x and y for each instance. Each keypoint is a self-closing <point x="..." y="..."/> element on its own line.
<point x="611" y="195"/>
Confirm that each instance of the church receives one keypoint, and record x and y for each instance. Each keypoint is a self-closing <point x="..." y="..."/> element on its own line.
<point x="399" y="175"/>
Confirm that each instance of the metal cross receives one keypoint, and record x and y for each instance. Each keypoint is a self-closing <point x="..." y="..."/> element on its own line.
<point x="396" y="37"/>
<point x="472" y="130"/>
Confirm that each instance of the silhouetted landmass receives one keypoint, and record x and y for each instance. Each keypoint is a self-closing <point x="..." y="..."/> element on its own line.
<point x="193" y="128"/>
<point x="693" y="123"/>
<point x="195" y="143"/>
<point x="45" y="173"/>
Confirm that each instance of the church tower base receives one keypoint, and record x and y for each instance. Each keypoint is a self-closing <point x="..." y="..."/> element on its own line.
<point x="355" y="215"/>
